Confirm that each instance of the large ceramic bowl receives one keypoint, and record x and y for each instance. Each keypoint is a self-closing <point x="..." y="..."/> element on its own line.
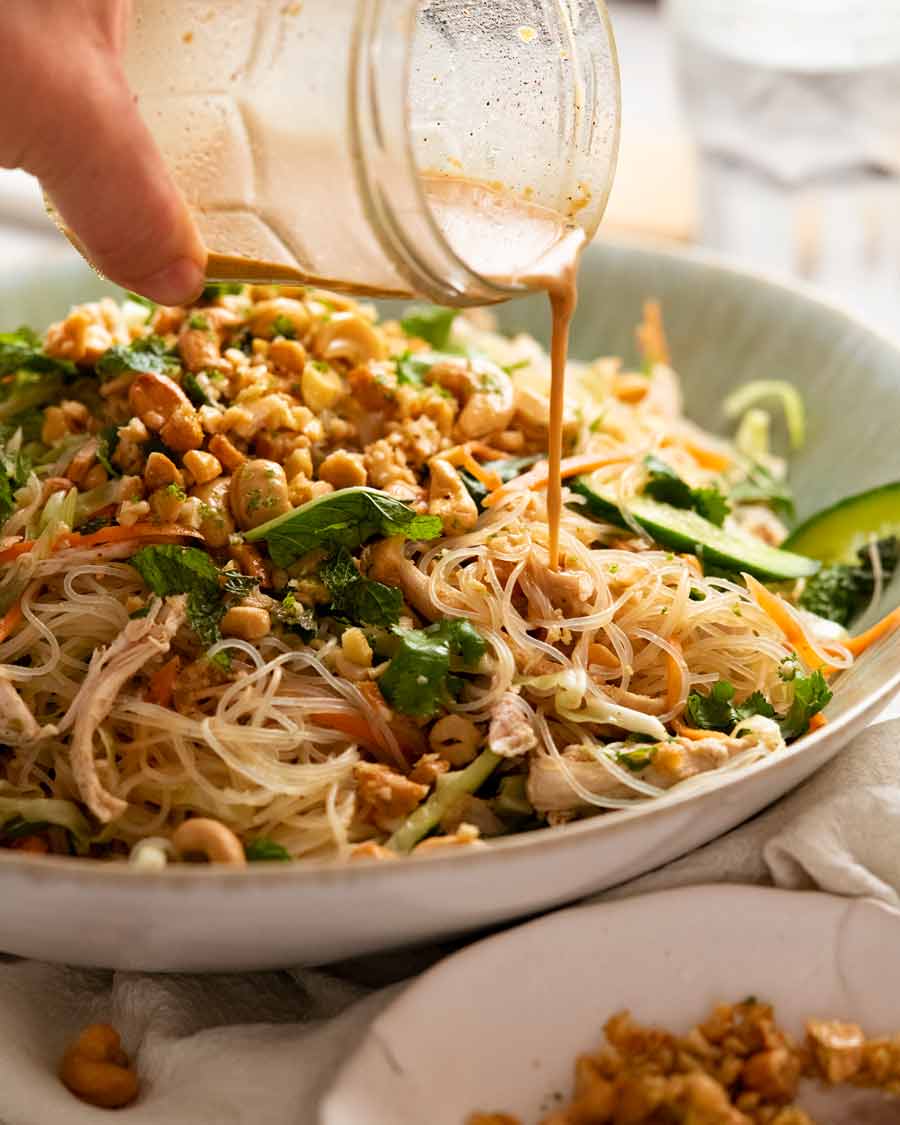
<point x="725" y="329"/>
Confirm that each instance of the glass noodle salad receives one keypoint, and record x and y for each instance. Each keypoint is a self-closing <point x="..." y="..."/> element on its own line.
<point x="274" y="584"/>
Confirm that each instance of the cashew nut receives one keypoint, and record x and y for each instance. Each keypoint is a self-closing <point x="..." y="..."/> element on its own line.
<point x="346" y="335"/>
<point x="97" y="1070"/>
<point x="259" y="492"/>
<point x="271" y="318"/>
<point x="162" y="405"/>
<point x="216" y="524"/>
<point x="455" y="738"/>
<point x="484" y="389"/>
<point x="202" y="836"/>
<point x="200" y="339"/>
<point x="449" y="498"/>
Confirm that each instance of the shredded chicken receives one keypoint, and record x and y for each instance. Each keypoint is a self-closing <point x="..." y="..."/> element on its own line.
<point x="17" y="723"/>
<point x="511" y="733"/>
<point x="109" y="670"/>
<point x="388" y="563"/>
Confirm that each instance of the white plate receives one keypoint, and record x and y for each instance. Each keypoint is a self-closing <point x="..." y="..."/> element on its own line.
<point x="725" y="327"/>
<point x="498" y="1026"/>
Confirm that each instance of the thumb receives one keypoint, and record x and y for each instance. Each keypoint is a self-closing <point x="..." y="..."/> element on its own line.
<point x="108" y="182"/>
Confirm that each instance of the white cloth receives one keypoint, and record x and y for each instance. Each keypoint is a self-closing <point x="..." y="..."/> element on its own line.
<point x="259" y="1049"/>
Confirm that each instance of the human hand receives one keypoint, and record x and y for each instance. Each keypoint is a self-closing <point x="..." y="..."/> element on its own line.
<point x="68" y="116"/>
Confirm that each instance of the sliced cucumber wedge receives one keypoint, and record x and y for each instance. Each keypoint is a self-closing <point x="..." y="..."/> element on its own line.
<point x="683" y="530"/>
<point x="835" y="534"/>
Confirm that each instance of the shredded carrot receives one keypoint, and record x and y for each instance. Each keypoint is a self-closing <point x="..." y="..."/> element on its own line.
<point x="817" y="721"/>
<point x="775" y="608"/>
<point x="10" y="621"/>
<point x="162" y="683"/>
<point x="651" y="335"/>
<point x="706" y="458"/>
<point x="858" y="645"/>
<point x="461" y="456"/>
<point x="117" y="533"/>
<point x="354" y="726"/>
<point x="693" y="564"/>
<point x="693" y="733"/>
<point x="673" y="679"/>
<point x="536" y="477"/>
<point x="599" y="654"/>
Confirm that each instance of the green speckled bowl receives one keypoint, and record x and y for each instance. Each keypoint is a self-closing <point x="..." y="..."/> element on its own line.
<point x="725" y="328"/>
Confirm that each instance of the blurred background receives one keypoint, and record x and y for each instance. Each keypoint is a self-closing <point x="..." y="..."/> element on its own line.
<point x="767" y="130"/>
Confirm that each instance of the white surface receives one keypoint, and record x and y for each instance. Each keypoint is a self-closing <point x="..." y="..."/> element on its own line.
<point x="261" y="1049"/>
<point x="544" y="990"/>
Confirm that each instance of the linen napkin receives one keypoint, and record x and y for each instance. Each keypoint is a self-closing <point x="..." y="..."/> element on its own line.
<point x="260" y="1049"/>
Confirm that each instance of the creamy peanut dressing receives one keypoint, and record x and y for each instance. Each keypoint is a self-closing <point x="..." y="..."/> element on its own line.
<point x="514" y="244"/>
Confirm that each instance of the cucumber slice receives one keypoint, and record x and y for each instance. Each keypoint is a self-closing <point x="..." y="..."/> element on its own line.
<point x="835" y="534"/>
<point x="683" y="530"/>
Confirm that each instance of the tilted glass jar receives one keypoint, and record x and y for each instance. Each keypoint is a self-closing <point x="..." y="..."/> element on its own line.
<point x="305" y="135"/>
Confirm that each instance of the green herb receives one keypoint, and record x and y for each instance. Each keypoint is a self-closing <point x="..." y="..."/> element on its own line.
<point x="263" y="848"/>
<point x="175" y="490"/>
<point x="597" y="424"/>
<point x="21" y="815"/>
<point x="636" y="760"/>
<point x="199" y="323"/>
<point x="283" y="326"/>
<point x="146" y="356"/>
<point x="717" y="710"/>
<point x="167" y="569"/>
<point x="506" y="470"/>
<point x="841" y="592"/>
<point x="96" y="524"/>
<point x="417" y="680"/>
<point x="666" y="486"/>
<point x="107" y="444"/>
<point x="238" y="584"/>
<point x="138" y="613"/>
<point x="761" y="487"/>
<point x="296" y="616"/>
<point x="222" y="289"/>
<point x="194" y="391"/>
<point x="510" y="368"/>
<point x="23" y="350"/>
<point x="346" y="518"/>
<point x="696" y="595"/>
<point x="430" y="323"/>
<point x="359" y="599"/>
<point x="448" y="790"/>
<point x="137" y="299"/>
<point x="811" y="694"/>
<point x="15" y="469"/>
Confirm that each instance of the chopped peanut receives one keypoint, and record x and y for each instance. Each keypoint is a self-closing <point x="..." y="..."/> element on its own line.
<point x="227" y="454"/>
<point x="249" y="622"/>
<point x="203" y="467"/>
<point x="343" y="469"/>
<point x="161" y="471"/>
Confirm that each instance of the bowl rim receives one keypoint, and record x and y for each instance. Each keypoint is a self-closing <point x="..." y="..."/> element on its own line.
<point x="559" y="837"/>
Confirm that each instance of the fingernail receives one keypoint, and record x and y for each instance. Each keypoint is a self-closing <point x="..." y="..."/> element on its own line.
<point x="178" y="283"/>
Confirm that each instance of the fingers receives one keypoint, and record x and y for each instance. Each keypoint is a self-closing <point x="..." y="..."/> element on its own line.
<point x="111" y="187"/>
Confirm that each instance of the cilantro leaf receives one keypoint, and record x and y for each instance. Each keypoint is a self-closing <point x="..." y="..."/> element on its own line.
<point x="264" y="848"/>
<point x="361" y="600"/>
<point x="297" y="617"/>
<point x="666" y="486"/>
<point x="717" y="711"/>
<point x="841" y="592"/>
<point x="417" y="680"/>
<point x="346" y="518"/>
<point x="811" y="694"/>
<point x="430" y="323"/>
<point x="168" y="569"/>
<point x="146" y="356"/>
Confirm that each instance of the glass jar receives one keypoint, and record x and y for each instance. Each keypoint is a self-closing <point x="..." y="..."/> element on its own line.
<point x="305" y="135"/>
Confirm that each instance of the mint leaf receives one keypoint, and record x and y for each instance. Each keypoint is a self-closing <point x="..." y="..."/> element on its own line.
<point x="264" y="848"/>
<point x="430" y="323"/>
<point x="22" y="350"/>
<point x="841" y="592"/>
<point x="146" y="356"/>
<point x="346" y="518"/>
<point x="417" y="680"/>
<point x="666" y="486"/>
<point x="761" y="487"/>
<point x="359" y="599"/>
<point x="168" y="569"/>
